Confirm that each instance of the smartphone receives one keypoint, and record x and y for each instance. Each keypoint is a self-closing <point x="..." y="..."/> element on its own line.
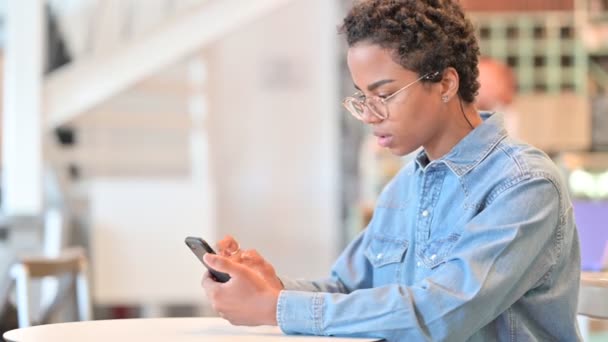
<point x="199" y="247"/>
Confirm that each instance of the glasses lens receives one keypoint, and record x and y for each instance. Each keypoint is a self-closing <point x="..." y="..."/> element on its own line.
<point x="377" y="107"/>
<point x="374" y="105"/>
<point x="354" y="106"/>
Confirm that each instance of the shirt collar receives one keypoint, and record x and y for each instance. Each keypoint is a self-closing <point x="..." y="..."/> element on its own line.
<point x="473" y="148"/>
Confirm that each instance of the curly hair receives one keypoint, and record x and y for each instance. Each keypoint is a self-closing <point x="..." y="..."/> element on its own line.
<point x="425" y="35"/>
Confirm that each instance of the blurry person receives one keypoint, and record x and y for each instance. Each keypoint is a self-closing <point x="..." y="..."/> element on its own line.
<point x="497" y="90"/>
<point x="497" y="85"/>
<point x="474" y="240"/>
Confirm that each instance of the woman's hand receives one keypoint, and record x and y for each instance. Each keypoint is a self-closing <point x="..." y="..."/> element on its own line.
<point x="230" y="248"/>
<point x="247" y="298"/>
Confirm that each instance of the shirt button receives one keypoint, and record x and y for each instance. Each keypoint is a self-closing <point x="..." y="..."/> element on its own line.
<point x="379" y="256"/>
<point x="425" y="213"/>
<point x="433" y="256"/>
<point x="418" y="264"/>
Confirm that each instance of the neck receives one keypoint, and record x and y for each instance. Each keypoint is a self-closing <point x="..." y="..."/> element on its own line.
<point x="455" y="129"/>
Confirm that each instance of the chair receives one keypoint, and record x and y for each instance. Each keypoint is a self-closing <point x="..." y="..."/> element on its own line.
<point x="593" y="295"/>
<point x="72" y="261"/>
<point x="592" y="300"/>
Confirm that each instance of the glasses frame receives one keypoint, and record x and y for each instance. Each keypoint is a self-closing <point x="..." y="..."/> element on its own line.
<point x="383" y="100"/>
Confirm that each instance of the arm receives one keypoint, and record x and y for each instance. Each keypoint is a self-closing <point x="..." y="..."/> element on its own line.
<point x="251" y="295"/>
<point x="503" y="252"/>
<point x="348" y="273"/>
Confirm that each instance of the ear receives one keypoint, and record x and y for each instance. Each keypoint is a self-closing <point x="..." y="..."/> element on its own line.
<point x="449" y="84"/>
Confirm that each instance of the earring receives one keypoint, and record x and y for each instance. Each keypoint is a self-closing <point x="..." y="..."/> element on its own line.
<point x="445" y="98"/>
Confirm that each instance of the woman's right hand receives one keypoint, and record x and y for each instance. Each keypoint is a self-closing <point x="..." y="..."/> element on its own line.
<point x="230" y="248"/>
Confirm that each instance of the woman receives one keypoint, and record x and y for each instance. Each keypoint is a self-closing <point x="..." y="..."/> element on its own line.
<point x="474" y="240"/>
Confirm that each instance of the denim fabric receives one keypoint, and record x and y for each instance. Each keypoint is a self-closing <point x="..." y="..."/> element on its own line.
<point x="479" y="245"/>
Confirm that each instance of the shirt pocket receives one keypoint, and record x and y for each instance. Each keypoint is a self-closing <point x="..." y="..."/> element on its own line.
<point x="385" y="254"/>
<point x="436" y="251"/>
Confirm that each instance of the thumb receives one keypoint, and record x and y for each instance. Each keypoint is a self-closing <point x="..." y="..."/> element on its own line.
<point x="223" y="264"/>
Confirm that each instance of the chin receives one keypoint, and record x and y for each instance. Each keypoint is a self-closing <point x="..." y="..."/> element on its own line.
<point x="402" y="151"/>
<point x="399" y="152"/>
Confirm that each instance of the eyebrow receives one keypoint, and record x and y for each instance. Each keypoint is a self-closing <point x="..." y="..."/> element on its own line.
<point x="375" y="85"/>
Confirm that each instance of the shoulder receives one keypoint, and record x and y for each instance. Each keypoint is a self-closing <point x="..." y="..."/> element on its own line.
<point x="524" y="161"/>
<point x="514" y="163"/>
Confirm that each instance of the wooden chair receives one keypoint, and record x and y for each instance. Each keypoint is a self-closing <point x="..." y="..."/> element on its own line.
<point x="72" y="261"/>
<point x="592" y="300"/>
<point x="593" y="295"/>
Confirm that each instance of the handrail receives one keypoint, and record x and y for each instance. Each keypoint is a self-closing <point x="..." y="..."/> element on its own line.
<point x="79" y="86"/>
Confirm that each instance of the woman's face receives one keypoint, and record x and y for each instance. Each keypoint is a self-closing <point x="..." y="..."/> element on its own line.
<point x="414" y="115"/>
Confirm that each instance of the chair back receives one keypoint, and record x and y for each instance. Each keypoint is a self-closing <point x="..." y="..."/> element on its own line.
<point x="72" y="261"/>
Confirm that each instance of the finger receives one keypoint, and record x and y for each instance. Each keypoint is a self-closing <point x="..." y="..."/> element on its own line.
<point x="207" y="281"/>
<point x="234" y="255"/>
<point x="251" y="258"/>
<point x="221" y="245"/>
<point x="227" y="246"/>
<point x="211" y="289"/>
<point x="224" y="264"/>
<point x="251" y="254"/>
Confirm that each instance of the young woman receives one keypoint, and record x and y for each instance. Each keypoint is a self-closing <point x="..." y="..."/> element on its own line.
<point x="472" y="241"/>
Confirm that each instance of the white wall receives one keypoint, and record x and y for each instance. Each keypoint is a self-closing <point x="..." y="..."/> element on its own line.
<point x="274" y="136"/>
<point x="138" y="250"/>
<point x="273" y="131"/>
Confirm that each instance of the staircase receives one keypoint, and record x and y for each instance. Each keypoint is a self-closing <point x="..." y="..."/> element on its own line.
<point x="137" y="39"/>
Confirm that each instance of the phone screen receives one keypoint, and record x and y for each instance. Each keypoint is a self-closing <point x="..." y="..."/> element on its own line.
<point x="199" y="247"/>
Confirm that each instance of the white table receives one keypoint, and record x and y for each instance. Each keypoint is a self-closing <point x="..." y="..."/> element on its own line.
<point x="160" y="329"/>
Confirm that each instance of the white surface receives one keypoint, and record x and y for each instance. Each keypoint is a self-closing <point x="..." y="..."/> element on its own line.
<point x="22" y="112"/>
<point x="273" y="144"/>
<point x="161" y="329"/>
<point x="137" y="238"/>
<point x="274" y="137"/>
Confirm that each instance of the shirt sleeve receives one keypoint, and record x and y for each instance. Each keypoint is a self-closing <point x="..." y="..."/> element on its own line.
<point x="504" y="251"/>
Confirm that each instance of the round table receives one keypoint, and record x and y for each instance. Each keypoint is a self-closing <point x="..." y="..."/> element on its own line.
<point x="158" y="329"/>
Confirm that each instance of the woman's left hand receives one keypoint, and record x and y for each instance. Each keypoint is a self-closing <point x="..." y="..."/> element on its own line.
<point x="247" y="298"/>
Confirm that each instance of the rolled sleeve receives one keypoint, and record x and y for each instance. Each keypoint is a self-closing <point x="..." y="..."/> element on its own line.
<point x="300" y="312"/>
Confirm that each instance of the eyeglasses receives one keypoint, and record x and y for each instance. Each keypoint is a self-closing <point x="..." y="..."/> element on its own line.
<point x="357" y="103"/>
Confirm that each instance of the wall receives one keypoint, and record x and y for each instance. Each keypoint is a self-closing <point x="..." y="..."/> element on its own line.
<point x="274" y="133"/>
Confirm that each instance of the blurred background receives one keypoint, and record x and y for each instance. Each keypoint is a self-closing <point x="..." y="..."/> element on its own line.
<point x="128" y="125"/>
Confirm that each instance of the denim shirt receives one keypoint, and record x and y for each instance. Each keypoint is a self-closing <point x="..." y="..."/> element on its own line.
<point x="479" y="245"/>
